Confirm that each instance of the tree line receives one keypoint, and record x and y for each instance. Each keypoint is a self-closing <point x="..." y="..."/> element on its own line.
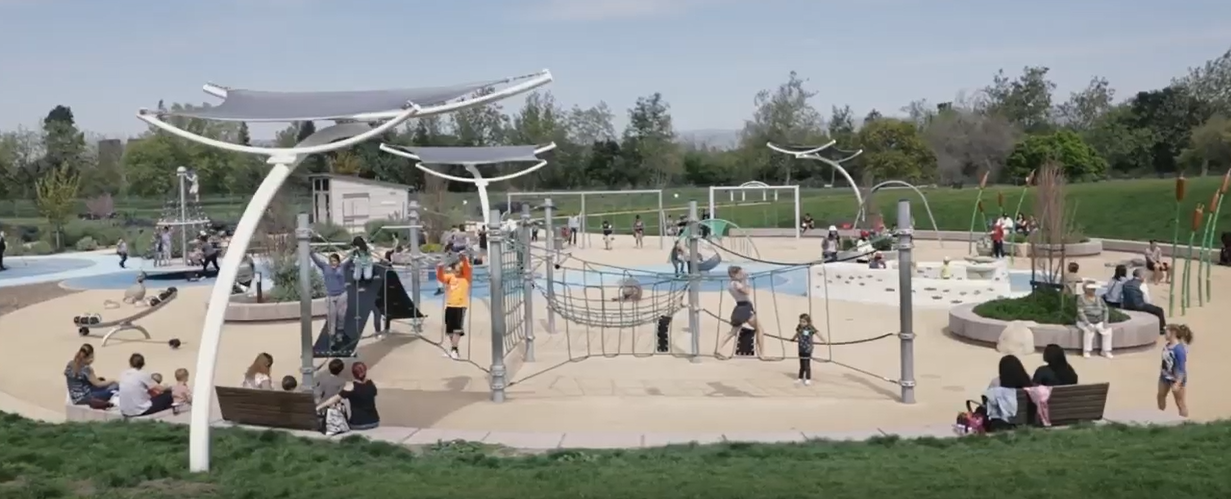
<point x="1010" y="127"/>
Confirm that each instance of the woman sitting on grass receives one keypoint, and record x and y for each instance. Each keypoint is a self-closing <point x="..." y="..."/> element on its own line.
<point x="140" y="394"/>
<point x="257" y="375"/>
<point x="84" y="388"/>
<point x="1056" y="371"/>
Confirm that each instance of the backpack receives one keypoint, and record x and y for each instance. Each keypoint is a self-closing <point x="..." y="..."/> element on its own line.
<point x="973" y="421"/>
<point x="333" y="420"/>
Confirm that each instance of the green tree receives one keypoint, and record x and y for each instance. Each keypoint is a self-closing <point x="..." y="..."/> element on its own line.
<point x="1210" y="84"/>
<point x="894" y="149"/>
<point x="650" y="143"/>
<point x="1170" y="114"/>
<point x="782" y="116"/>
<point x="63" y="144"/>
<point x="1083" y="109"/>
<point x="57" y="195"/>
<point x="245" y="138"/>
<point x="1026" y="101"/>
<point x="967" y="143"/>
<point x="1210" y="146"/>
<point x="1081" y="162"/>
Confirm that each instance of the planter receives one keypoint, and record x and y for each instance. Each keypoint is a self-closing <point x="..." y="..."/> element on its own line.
<point x="1088" y="248"/>
<point x="1010" y="249"/>
<point x="244" y="309"/>
<point x="1141" y="329"/>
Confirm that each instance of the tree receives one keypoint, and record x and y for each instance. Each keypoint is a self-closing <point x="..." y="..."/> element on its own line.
<point x="1064" y="147"/>
<point x="245" y="138"/>
<point x="1211" y="84"/>
<point x="967" y="143"/>
<point x="57" y="195"/>
<point x="540" y="121"/>
<point x="893" y="149"/>
<point x="921" y="112"/>
<point x="1025" y="101"/>
<point x="1170" y="114"/>
<point x="1084" y="108"/>
<point x="1210" y="145"/>
<point x="841" y="124"/>
<point x="587" y="126"/>
<point x="649" y="141"/>
<point x="783" y="116"/>
<point x="344" y="163"/>
<point x="64" y="145"/>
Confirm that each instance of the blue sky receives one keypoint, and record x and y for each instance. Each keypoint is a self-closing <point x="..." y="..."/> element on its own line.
<point x="108" y="58"/>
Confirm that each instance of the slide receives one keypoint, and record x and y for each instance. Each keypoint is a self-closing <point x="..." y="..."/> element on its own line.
<point x="385" y="296"/>
<point x="709" y="263"/>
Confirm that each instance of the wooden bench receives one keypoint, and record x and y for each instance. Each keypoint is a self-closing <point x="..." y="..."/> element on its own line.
<point x="1070" y="404"/>
<point x="269" y="408"/>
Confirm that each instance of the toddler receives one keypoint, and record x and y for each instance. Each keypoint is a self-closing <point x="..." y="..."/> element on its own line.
<point x="289" y="383"/>
<point x="805" y="333"/>
<point x="181" y="394"/>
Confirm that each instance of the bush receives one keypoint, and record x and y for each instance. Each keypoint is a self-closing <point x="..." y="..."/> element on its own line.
<point x="385" y="237"/>
<point x="1044" y="306"/>
<point x="104" y="233"/>
<point x="285" y="276"/>
<point x="140" y="241"/>
<point x="39" y="248"/>
<point x="331" y="233"/>
<point x="86" y="243"/>
<point x="431" y="248"/>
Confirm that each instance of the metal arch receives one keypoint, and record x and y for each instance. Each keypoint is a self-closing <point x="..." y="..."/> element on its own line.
<point x="862" y="208"/>
<point x="812" y="154"/>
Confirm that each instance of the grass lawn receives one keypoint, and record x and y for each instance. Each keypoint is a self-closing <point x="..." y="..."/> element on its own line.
<point x="149" y="461"/>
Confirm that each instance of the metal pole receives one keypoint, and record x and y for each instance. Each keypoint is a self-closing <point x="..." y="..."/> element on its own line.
<point x="303" y="236"/>
<point x="550" y="210"/>
<point x="694" y="282"/>
<point x="582" y="237"/>
<point x="798" y="234"/>
<point x="662" y="230"/>
<point x="905" y="305"/>
<point x="527" y="270"/>
<point x="183" y="218"/>
<point x="495" y="262"/>
<point x="416" y="266"/>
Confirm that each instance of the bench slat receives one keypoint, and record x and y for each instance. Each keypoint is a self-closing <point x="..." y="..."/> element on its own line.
<point x="291" y="410"/>
<point x="1069" y="404"/>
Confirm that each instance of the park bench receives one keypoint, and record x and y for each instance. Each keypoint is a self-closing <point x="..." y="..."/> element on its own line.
<point x="1068" y="405"/>
<point x="268" y="408"/>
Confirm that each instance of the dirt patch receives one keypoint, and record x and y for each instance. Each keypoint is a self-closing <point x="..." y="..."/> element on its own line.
<point x="16" y="297"/>
<point x="169" y="487"/>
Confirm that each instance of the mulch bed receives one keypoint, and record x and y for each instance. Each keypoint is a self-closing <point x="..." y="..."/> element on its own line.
<point x="16" y="297"/>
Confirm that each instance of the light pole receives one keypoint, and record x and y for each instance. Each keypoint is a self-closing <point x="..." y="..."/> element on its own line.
<point x="181" y="173"/>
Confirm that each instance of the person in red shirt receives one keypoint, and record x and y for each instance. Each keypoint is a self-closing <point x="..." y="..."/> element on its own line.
<point x="998" y="239"/>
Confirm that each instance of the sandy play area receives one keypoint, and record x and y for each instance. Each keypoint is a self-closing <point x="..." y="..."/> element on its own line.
<point x="591" y="380"/>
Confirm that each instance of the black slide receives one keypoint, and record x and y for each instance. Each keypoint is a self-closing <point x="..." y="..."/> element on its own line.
<point x="360" y="307"/>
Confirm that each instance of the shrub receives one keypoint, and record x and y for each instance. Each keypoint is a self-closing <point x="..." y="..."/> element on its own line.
<point x="431" y="248"/>
<point x="101" y="207"/>
<point x="86" y="243"/>
<point x="20" y="233"/>
<point x="104" y="233"/>
<point x="140" y="241"/>
<point x="16" y="249"/>
<point x="331" y="233"/>
<point x="39" y="248"/>
<point x="884" y="243"/>
<point x="285" y="276"/>
<point x="385" y="237"/>
<point x="1044" y="306"/>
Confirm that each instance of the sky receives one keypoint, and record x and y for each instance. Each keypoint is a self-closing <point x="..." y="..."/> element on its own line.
<point x="107" y="59"/>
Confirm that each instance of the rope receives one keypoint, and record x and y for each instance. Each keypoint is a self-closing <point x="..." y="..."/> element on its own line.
<point x="827" y="342"/>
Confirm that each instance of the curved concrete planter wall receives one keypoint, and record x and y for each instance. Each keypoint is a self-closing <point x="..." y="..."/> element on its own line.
<point x="1089" y="248"/>
<point x="1139" y="330"/>
<point x="241" y="311"/>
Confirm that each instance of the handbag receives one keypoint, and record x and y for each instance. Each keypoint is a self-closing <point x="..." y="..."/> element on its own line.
<point x="972" y="421"/>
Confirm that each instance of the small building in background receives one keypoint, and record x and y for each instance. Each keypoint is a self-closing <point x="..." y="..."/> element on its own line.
<point x="352" y="202"/>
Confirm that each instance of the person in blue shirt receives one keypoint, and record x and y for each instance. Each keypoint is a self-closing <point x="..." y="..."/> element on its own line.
<point x="1173" y="376"/>
<point x="334" y="274"/>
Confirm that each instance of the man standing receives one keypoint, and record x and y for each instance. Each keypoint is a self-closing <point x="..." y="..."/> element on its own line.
<point x="574" y="226"/>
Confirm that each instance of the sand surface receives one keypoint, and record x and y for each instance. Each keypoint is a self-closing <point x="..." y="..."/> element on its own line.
<point x="591" y="379"/>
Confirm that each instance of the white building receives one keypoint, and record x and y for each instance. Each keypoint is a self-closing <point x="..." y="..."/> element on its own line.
<point x="352" y="202"/>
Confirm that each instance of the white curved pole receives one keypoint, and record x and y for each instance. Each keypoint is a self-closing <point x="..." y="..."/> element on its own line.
<point x="153" y="119"/>
<point x="220" y="295"/>
<point x="533" y="81"/>
<point x="928" y="207"/>
<point x="397" y="150"/>
<point x="801" y="153"/>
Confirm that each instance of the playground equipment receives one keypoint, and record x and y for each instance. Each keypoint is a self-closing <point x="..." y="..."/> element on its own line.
<point x="469" y="158"/>
<point x="354" y="113"/>
<point x="765" y="191"/>
<point x="184" y="214"/>
<point x="89" y="322"/>
<point x="654" y="212"/>
<point x="720" y="233"/>
<point x="829" y="155"/>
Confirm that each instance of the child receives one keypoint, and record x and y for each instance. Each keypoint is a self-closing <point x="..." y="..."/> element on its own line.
<point x="121" y="249"/>
<point x="361" y="255"/>
<point x="1174" y="375"/>
<point x="607" y="230"/>
<point x="181" y="393"/>
<point x="289" y="383"/>
<point x="677" y="257"/>
<point x="457" y="281"/>
<point x="638" y="230"/>
<point x="335" y="293"/>
<point x="157" y="377"/>
<point x="946" y="271"/>
<point x="804" y="335"/>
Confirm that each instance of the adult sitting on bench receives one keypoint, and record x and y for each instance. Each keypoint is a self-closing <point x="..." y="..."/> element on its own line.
<point x="1135" y="298"/>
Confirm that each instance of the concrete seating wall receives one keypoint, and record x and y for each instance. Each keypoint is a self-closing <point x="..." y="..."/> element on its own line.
<point x="1140" y="330"/>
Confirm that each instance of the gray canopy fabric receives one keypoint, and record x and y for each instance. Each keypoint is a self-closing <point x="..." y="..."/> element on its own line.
<point x="471" y="155"/>
<point x="256" y="105"/>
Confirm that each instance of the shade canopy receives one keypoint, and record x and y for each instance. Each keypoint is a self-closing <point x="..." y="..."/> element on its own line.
<point x="470" y="155"/>
<point x="257" y="105"/>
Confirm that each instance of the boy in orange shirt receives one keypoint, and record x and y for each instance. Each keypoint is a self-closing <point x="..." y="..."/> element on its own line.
<point x="456" y="282"/>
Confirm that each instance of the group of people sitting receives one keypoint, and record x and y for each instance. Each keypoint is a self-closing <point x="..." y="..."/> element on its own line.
<point x="344" y="404"/>
<point x="136" y="393"/>
<point x="1122" y="292"/>
<point x="1000" y="407"/>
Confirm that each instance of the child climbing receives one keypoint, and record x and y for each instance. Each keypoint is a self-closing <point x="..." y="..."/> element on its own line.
<point x="361" y="256"/>
<point x="334" y="273"/>
<point x="456" y="280"/>
<point x="804" y="336"/>
<point x="607" y="231"/>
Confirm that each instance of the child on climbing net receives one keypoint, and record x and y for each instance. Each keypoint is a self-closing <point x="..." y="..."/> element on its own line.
<point x="456" y="282"/>
<point x="607" y="231"/>
<point x="361" y="255"/>
<point x="805" y="333"/>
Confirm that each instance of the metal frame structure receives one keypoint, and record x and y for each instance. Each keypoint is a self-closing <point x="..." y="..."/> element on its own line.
<point x="479" y="181"/>
<point x="353" y="127"/>
<point x="662" y="220"/>
<point x="756" y="186"/>
<point x="813" y="153"/>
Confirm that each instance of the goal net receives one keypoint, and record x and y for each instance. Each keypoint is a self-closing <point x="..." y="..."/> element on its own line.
<point x="757" y="205"/>
<point x="585" y="212"/>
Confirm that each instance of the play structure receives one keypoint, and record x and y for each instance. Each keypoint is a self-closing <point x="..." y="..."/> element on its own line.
<point x="382" y="299"/>
<point x="653" y="214"/>
<point x="768" y="197"/>
<point x="183" y="214"/>
<point x="87" y="323"/>
<point x="936" y="284"/>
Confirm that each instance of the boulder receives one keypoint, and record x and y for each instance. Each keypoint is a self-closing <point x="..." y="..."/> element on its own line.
<point x="1016" y="339"/>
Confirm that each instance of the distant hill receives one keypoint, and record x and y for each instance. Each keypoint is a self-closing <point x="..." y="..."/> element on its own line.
<point x="718" y="139"/>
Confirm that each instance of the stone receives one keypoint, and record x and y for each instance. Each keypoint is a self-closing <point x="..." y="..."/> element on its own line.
<point x="1016" y="339"/>
<point x="980" y="259"/>
<point x="980" y="271"/>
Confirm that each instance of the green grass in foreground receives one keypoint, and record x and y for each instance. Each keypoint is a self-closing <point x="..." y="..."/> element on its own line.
<point x="148" y="460"/>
